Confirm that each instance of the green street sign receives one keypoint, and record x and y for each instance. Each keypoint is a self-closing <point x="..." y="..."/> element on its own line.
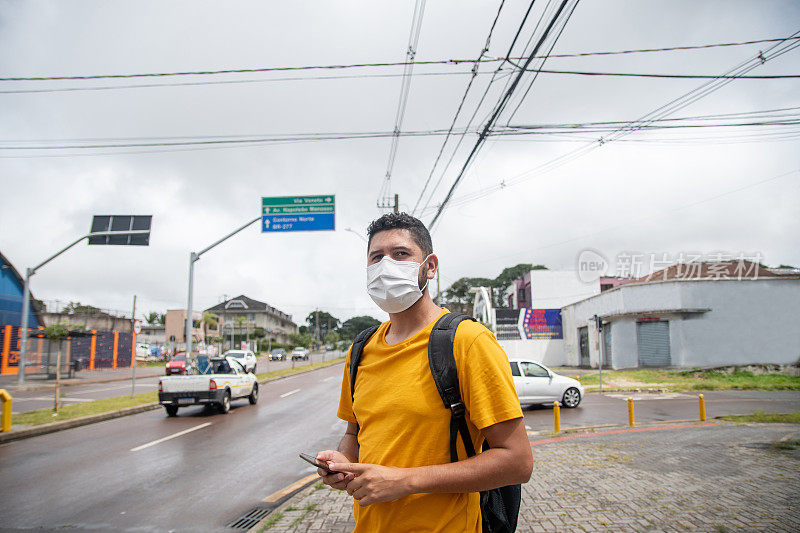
<point x="298" y="213"/>
<point x="297" y="205"/>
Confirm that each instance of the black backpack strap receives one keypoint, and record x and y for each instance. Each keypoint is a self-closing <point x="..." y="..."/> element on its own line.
<point x="355" y="354"/>
<point x="445" y="375"/>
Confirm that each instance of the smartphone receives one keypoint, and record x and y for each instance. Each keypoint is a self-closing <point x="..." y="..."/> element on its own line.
<point x="313" y="460"/>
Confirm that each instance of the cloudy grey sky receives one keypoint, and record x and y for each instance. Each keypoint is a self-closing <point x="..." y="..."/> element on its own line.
<point x="706" y="190"/>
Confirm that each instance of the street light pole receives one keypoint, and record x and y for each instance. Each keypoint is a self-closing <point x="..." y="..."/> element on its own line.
<point x="193" y="258"/>
<point x="26" y="296"/>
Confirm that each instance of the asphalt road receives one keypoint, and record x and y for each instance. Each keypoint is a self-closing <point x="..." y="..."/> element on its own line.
<point x="116" y="475"/>
<point x="201" y="470"/>
<point x="72" y="394"/>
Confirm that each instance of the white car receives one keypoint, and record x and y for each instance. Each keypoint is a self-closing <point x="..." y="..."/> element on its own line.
<point x="246" y="357"/>
<point x="299" y="353"/>
<point x="228" y="381"/>
<point x="538" y="384"/>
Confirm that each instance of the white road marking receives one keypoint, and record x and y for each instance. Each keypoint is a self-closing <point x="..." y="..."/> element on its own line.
<point x="285" y="394"/>
<point x="174" y="435"/>
<point x="330" y="378"/>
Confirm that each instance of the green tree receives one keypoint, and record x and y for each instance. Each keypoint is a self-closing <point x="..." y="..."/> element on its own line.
<point x="331" y="337"/>
<point x="301" y="339"/>
<point x="352" y="326"/>
<point x="55" y="332"/>
<point x="327" y="322"/>
<point x="77" y="308"/>
<point x="154" y="318"/>
<point x="457" y="297"/>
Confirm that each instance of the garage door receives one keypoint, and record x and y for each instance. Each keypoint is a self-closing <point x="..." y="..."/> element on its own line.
<point x="653" y="341"/>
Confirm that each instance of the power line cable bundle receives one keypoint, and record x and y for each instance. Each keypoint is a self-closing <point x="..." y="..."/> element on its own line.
<point x="780" y="48"/>
<point x="501" y="105"/>
<point x="413" y="41"/>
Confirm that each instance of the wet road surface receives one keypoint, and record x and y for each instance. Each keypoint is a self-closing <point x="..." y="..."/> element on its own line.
<point x="201" y="470"/>
<point x="115" y="476"/>
<point x="72" y="394"/>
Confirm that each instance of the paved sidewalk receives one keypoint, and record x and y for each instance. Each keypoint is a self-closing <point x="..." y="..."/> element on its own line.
<point x="83" y="377"/>
<point x="723" y="477"/>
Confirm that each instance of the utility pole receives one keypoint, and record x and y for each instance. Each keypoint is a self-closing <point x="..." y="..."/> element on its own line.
<point x="133" y="349"/>
<point x="396" y="203"/>
<point x="316" y="324"/>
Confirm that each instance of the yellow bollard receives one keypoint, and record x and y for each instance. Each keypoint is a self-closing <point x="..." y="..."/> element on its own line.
<point x="702" y="407"/>
<point x="556" y="417"/>
<point x="5" y="422"/>
<point x="631" y="423"/>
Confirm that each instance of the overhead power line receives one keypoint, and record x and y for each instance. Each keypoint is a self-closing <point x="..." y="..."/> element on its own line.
<point x="405" y="88"/>
<point x="475" y="67"/>
<point x="497" y="111"/>
<point x="377" y="64"/>
<point x="783" y="47"/>
<point x="785" y="116"/>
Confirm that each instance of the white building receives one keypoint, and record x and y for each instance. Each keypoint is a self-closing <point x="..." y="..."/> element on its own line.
<point x="702" y="320"/>
<point x="531" y="328"/>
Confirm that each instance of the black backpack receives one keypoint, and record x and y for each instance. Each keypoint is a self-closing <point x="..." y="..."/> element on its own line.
<point x="499" y="507"/>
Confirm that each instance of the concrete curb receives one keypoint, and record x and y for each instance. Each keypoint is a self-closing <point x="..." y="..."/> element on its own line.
<point x="285" y="502"/>
<point x="43" y="429"/>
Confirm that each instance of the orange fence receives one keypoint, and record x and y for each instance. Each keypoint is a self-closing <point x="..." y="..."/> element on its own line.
<point x="94" y="349"/>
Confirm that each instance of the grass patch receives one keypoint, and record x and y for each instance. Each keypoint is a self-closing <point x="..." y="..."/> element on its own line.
<point x="787" y="445"/>
<point x="289" y="371"/>
<point x="271" y="521"/>
<point x="687" y="380"/>
<point x="765" y="418"/>
<point x="67" y="412"/>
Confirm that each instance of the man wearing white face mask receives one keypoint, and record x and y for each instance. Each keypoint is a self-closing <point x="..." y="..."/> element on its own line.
<point x="394" y="458"/>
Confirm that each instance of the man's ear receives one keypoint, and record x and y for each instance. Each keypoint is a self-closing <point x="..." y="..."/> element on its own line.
<point x="433" y="266"/>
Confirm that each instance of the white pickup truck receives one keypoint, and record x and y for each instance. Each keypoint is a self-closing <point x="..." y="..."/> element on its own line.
<point x="227" y="382"/>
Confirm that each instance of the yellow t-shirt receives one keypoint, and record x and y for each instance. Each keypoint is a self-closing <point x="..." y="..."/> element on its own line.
<point x="404" y="423"/>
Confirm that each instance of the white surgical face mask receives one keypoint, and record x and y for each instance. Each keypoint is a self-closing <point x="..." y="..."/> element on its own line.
<point x="394" y="285"/>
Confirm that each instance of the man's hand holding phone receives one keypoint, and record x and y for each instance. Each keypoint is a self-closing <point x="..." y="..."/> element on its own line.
<point x="336" y="480"/>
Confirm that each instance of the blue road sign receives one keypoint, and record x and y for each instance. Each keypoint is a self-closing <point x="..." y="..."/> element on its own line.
<point x="304" y="222"/>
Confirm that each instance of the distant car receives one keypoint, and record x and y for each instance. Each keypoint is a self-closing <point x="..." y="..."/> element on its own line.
<point x="142" y="351"/>
<point x="278" y="354"/>
<point x="537" y="384"/>
<point x="299" y="353"/>
<point x="177" y="365"/>
<point x="227" y="381"/>
<point x="245" y="357"/>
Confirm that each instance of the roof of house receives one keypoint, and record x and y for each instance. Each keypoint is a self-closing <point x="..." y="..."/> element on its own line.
<point x="243" y="303"/>
<point x="731" y="269"/>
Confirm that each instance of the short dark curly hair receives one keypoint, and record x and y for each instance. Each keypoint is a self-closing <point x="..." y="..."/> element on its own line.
<point x="415" y="227"/>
